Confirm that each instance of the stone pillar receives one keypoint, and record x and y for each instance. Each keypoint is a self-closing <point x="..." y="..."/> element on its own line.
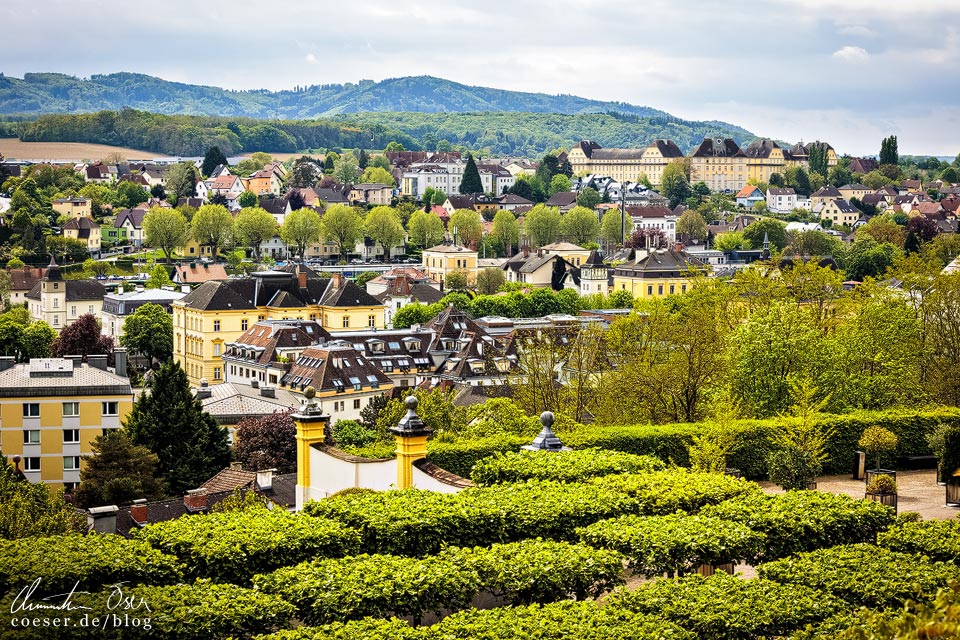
<point x="411" y="435"/>
<point x="546" y="440"/>
<point x="311" y="424"/>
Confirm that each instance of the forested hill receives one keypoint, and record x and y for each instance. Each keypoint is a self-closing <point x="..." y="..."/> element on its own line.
<point x="517" y="133"/>
<point x="40" y="93"/>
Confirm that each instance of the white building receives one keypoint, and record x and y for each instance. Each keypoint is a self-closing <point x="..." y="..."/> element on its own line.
<point x="781" y="200"/>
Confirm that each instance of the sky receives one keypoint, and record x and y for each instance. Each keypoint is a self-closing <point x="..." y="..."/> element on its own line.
<point x="846" y="71"/>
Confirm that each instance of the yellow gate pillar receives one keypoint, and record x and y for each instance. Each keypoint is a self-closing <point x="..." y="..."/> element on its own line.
<point x="411" y="435"/>
<point x="311" y="424"/>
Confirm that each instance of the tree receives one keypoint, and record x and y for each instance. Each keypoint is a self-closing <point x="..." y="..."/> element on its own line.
<point x="471" y="182"/>
<point x="118" y="472"/>
<point x="490" y="280"/>
<point x="775" y="230"/>
<point x="415" y="313"/>
<point x="82" y="338"/>
<point x="950" y="175"/>
<point x="674" y="184"/>
<point x="181" y="181"/>
<point x="839" y="176"/>
<point x="799" y="180"/>
<point x="170" y="421"/>
<point x="267" y="442"/>
<point x="342" y="225"/>
<point x="213" y="226"/>
<point x="588" y="197"/>
<point x="801" y="439"/>
<point x="731" y="241"/>
<point x="11" y="337"/>
<point x="96" y="268"/>
<point x="813" y="243"/>
<point x="560" y="183"/>
<point x="888" y="151"/>
<point x="346" y="168"/>
<point x="869" y="258"/>
<point x="466" y="225"/>
<point x="614" y="228"/>
<point x="165" y="229"/>
<point x="580" y="225"/>
<point x="149" y="332"/>
<point x="300" y="229"/>
<point x="252" y="227"/>
<point x="506" y="230"/>
<point x="383" y="225"/>
<point x="159" y="278"/>
<point x="37" y="340"/>
<point x="248" y="199"/>
<point x="924" y="228"/>
<point x="212" y="159"/>
<point x="393" y="145"/>
<point x="376" y="175"/>
<point x="363" y="159"/>
<point x="692" y="225"/>
<point x="31" y="510"/>
<point x="130" y="194"/>
<point x="304" y="173"/>
<point x="458" y="280"/>
<point x="542" y="225"/>
<point x="426" y="229"/>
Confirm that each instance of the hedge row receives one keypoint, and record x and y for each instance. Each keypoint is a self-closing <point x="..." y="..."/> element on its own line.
<point x="566" y="620"/>
<point x="679" y="489"/>
<point x="59" y="562"/>
<point x="233" y="546"/>
<point x="804" y="520"/>
<point x="380" y="586"/>
<point x="724" y="607"/>
<point x="460" y="456"/>
<point x="864" y="575"/>
<point x="936" y="539"/>
<point x="674" y="544"/>
<point x="562" y="466"/>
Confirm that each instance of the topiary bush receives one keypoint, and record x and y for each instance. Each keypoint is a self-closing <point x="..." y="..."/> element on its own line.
<point x="563" y="466"/>
<point x="665" y="492"/>
<point x="936" y="539"/>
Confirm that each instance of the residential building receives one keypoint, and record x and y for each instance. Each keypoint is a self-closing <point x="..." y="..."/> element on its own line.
<point x="825" y="194"/>
<point x="263" y="353"/>
<point x="657" y="273"/>
<point x="60" y="302"/>
<point x="720" y="163"/>
<point x="855" y="190"/>
<point x="403" y="289"/>
<point x="594" y="275"/>
<point x="119" y="305"/>
<point x="749" y="196"/>
<point x="22" y="281"/>
<point x="264" y="182"/>
<point x="495" y="179"/>
<point x="573" y="254"/>
<point x="371" y="194"/>
<point x="470" y="356"/>
<point x="193" y="274"/>
<point x="660" y="218"/>
<point x="563" y="200"/>
<point x="799" y="155"/>
<point x="624" y="164"/>
<point x="402" y="354"/>
<point x="655" y="159"/>
<point x="764" y="158"/>
<point x="84" y="230"/>
<point x="863" y="165"/>
<point x="781" y="200"/>
<point x="511" y="202"/>
<point x="440" y="260"/>
<point x="537" y="270"/>
<point x="51" y="410"/>
<point x="839" y="212"/>
<point x="73" y="207"/>
<point x="228" y="186"/>
<point x="131" y="222"/>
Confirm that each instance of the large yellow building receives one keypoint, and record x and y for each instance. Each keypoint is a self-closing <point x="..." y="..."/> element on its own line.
<point x="657" y="273"/>
<point x="763" y="159"/>
<point x="440" y="260"/>
<point x="588" y="157"/>
<point x="720" y="163"/>
<point x="218" y="312"/>
<point x="51" y="409"/>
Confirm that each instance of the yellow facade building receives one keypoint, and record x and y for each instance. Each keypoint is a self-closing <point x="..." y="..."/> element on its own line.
<point x="84" y="230"/>
<point x="657" y="273"/>
<point x="51" y="409"/>
<point x="73" y="207"/>
<point x="442" y="259"/>
<point x="218" y="312"/>
<point x="588" y="157"/>
<point x="720" y="163"/>
<point x="60" y="302"/>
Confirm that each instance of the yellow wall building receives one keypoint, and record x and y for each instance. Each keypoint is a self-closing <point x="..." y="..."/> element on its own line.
<point x="440" y="260"/>
<point x="219" y="312"/>
<point x="84" y="230"/>
<point x="51" y="409"/>
<point x="720" y="163"/>
<point x="73" y="207"/>
<point x="588" y="157"/>
<point x="657" y="274"/>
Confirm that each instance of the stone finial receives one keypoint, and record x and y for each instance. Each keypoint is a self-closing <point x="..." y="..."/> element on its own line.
<point x="411" y="424"/>
<point x="546" y="440"/>
<point x="310" y="393"/>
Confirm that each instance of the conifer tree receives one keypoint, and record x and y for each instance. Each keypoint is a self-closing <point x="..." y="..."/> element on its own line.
<point x="212" y="159"/>
<point x="170" y="421"/>
<point x="471" y="182"/>
<point x="118" y="472"/>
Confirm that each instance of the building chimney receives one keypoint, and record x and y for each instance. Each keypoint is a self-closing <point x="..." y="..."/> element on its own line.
<point x="254" y="383"/>
<point x="103" y="519"/>
<point x="7" y="362"/>
<point x="98" y="361"/>
<point x="120" y="361"/>
<point x="265" y="479"/>
<point x="138" y="512"/>
<point x="301" y="277"/>
<point x="678" y="247"/>
<point x="236" y="466"/>
<point x="268" y="392"/>
<point x="526" y="251"/>
<point x="76" y="360"/>
<point x="195" y="500"/>
<point x="337" y="280"/>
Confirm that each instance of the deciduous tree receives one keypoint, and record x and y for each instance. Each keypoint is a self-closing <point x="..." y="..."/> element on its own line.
<point x="490" y="280"/>
<point x="506" y="230"/>
<point x="82" y="338"/>
<point x="542" y="225"/>
<point x="252" y="227"/>
<point x="426" y="229"/>
<point x="376" y="175"/>
<point x="383" y="225"/>
<point x="149" y="332"/>
<point x="466" y="225"/>
<point x="165" y="229"/>
<point x="212" y="226"/>
<point x="30" y="510"/>
<point x="300" y="229"/>
<point x="692" y="225"/>
<point x="343" y="226"/>
<point x="346" y="168"/>
<point x="580" y="225"/>
<point x="267" y="442"/>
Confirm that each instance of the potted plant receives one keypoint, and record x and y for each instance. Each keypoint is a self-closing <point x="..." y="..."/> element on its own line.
<point x="950" y="465"/>
<point x="801" y="440"/>
<point x="883" y="489"/>
<point x="937" y="441"/>
<point x="876" y="441"/>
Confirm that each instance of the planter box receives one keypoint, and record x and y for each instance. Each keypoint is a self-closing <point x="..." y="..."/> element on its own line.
<point x="733" y="472"/>
<point x="708" y="570"/>
<point x="871" y="473"/>
<point x="812" y="485"/>
<point x="953" y="494"/>
<point x="887" y="499"/>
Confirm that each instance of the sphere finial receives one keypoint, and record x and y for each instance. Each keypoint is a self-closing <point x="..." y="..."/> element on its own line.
<point x="310" y="393"/>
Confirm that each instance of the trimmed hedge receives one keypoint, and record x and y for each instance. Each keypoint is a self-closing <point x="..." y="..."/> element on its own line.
<point x="725" y="607"/>
<point x="562" y="466"/>
<point x="380" y="586"/>
<point x="665" y="492"/>
<point x="94" y="561"/>
<point x="459" y="457"/>
<point x="366" y="629"/>
<point x="414" y="522"/>
<point x="864" y="575"/>
<point x="804" y="520"/>
<point x="936" y="539"/>
<point x="232" y="546"/>
<point x="677" y="543"/>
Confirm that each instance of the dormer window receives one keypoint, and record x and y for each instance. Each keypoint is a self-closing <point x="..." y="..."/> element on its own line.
<point x="412" y="345"/>
<point x="356" y="384"/>
<point x="338" y="385"/>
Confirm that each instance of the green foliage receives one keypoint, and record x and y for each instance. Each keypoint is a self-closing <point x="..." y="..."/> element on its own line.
<point x="30" y="510"/>
<point x="804" y="520"/>
<point x="543" y="225"/>
<point x="350" y="433"/>
<point x="383" y="225"/>
<point x="302" y="227"/>
<point x="165" y="229"/>
<point x="665" y="492"/>
<point x="916" y="621"/>
<point x="723" y="607"/>
<point x="149" y="331"/>
<point x="426" y="229"/>
<point x="561" y="466"/>
<point x="460" y="456"/>
<point x="677" y="543"/>
<point x="471" y="182"/>
<point x="580" y="225"/>
<point x="935" y="539"/>
<point x="94" y="561"/>
<point x="252" y="226"/>
<point x="118" y="472"/>
<point x="233" y="546"/>
<point x="863" y="574"/>
<point x="877" y="441"/>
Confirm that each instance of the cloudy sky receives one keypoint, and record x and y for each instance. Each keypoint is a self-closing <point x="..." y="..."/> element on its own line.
<point x="846" y="71"/>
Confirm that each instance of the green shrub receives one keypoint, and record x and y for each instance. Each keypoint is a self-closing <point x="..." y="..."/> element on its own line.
<point x="459" y="456"/>
<point x="665" y="492"/>
<point x="373" y="451"/>
<point x="562" y="466"/>
<point x="366" y="629"/>
<point x="804" y="520"/>
<point x="234" y="545"/>
<point x="93" y="561"/>
<point x="724" y="607"/>
<point x="350" y="433"/>
<point x="863" y="574"/>
<point x="936" y="539"/>
<point x="678" y="543"/>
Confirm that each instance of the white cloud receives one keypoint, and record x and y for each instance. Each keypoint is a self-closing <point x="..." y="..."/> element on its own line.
<point x="856" y="30"/>
<point x="851" y="54"/>
<point x="310" y="58"/>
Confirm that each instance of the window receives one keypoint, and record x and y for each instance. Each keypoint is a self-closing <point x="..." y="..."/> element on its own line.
<point x="71" y="409"/>
<point x="216" y="349"/>
<point x="261" y="318"/>
<point x="356" y="403"/>
<point x="109" y="409"/>
<point x="216" y="373"/>
<point x="31" y="436"/>
<point x="672" y="288"/>
<point x="683" y="288"/>
<point x="216" y="325"/>
<point x="73" y="309"/>
<point x="659" y="289"/>
<point x="31" y="464"/>
<point x="313" y="317"/>
<point x="56" y="302"/>
<point x="70" y="486"/>
<point x="90" y="309"/>
<point x="649" y="289"/>
<point x="71" y="463"/>
<point x="356" y="383"/>
<point x="71" y="436"/>
<point x="243" y="324"/>
<point x="31" y="410"/>
<point x="372" y="321"/>
<point x="346" y="321"/>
